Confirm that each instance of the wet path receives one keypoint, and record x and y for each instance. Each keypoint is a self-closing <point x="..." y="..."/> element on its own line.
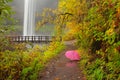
<point x="62" y="68"/>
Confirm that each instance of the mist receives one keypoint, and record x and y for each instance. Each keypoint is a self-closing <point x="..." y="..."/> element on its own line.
<point x="18" y="8"/>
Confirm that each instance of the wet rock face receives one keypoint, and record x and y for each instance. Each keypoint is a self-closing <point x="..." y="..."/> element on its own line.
<point x="62" y="68"/>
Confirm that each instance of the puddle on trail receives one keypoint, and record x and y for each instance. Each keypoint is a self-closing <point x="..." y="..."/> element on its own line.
<point x="69" y="64"/>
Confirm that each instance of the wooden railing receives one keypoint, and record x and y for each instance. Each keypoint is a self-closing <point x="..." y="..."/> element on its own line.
<point x="30" y="38"/>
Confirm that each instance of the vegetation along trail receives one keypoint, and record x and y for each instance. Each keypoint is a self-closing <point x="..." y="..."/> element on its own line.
<point x="62" y="68"/>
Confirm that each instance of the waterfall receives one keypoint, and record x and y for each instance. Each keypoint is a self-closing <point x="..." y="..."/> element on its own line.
<point x="29" y="18"/>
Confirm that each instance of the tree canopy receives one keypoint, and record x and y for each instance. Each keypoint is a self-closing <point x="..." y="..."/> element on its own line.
<point x="5" y="16"/>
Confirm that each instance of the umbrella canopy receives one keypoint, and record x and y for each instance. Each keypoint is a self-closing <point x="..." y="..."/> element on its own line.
<point x="72" y="55"/>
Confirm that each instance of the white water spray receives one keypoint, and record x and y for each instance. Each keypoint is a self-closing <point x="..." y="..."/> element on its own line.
<point x="29" y="18"/>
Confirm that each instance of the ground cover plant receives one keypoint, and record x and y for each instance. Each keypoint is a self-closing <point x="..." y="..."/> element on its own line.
<point x="104" y="40"/>
<point x="97" y="34"/>
<point x="24" y="64"/>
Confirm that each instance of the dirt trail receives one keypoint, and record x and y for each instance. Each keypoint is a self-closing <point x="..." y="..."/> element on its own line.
<point x="62" y="68"/>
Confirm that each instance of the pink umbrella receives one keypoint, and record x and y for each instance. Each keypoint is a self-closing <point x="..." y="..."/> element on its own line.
<point x="72" y="55"/>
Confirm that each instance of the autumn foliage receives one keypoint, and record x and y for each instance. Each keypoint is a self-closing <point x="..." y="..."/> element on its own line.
<point x="20" y="62"/>
<point x="96" y="26"/>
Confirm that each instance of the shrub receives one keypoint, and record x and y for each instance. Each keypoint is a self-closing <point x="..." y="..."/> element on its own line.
<point x="25" y="64"/>
<point x="102" y="36"/>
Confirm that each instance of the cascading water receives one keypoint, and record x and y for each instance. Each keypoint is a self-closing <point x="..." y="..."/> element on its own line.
<point x="29" y="18"/>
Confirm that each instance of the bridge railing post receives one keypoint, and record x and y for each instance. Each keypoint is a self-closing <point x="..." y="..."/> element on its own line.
<point x="31" y="37"/>
<point x="46" y="39"/>
<point x="41" y="38"/>
<point x="38" y="39"/>
<point x="28" y="38"/>
<point x="18" y="38"/>
<point x="22" y="38"/>
<point x="34" y="39"/>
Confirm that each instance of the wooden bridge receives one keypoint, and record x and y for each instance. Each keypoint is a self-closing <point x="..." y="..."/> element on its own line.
<point x="31" y="38"/>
